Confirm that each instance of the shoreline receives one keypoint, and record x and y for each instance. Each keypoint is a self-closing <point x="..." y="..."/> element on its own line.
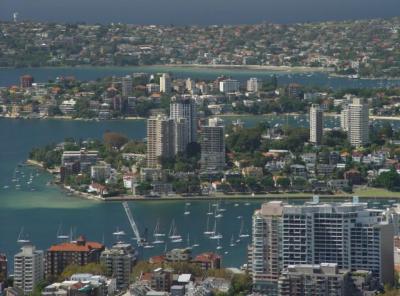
<point x="292" y="69"/>
<point x="236" y="67"/>
<point x="217" y="196"/>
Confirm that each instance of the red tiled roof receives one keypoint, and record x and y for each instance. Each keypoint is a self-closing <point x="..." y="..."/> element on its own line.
<point x="157" y="259"/>
<point x="206" y="257"/>
<point x="78" y="246"/>
<point x="147" y="276"/>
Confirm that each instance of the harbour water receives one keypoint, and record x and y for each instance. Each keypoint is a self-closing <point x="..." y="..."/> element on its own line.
<point x="41" y="208"/>
<point x="205" y="12"/>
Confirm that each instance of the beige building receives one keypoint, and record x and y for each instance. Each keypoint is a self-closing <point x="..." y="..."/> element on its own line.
<point x="165" y="83"/>
<point x="160" y="140"/>
<point x="355" y="120"/>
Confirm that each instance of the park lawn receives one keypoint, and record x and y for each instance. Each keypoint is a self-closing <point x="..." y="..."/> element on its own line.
<point x="376" y="192"/>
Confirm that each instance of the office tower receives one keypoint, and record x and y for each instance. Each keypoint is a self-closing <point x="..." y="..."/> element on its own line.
<point x="185" y="107"/>
<point x="118" y="261"/>
<point x="266" y="251"/>
<point x="307" y="279"/>
<point x="355" y="120"/>
<point x="253" y="85"/>
<point x="79" y="252"/>
<point x="165" y="83"/>
<point x="127" y="86"/>
<point x="213" y="146"/>
<point x="26" y="81"/>
<point x="28" y="268"/>
<point x="316" y="124"/>
<point x="160" y="140"/>
<point x="349" y="234"/>
<point x="229" y="86"/>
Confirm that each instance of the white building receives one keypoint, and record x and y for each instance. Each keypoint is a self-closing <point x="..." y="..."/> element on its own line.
<point x="310" y="279"/>
<point x="67" y="107"/>
<point x="213" y="145"/>
<point x="253" y="85"/>
<point x="185" y="107"/>
<point x="152" y="88"/>
<point x="119" y="261"/>
<point x="190" y="84"/>
<point x="165" y="83"/>
<point x="28" y="268"/>
<point x="100" y="172"/>
<point x="316" y="124"/>
<point x="355" y="119"/>
<point x="229" y="86"/>
<point x="348" y="234"/>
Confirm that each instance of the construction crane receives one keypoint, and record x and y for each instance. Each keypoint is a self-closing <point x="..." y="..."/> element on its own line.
<point x="134" y="227"/>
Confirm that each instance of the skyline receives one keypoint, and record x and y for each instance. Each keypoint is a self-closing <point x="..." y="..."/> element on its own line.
<point x="179" y="13"/>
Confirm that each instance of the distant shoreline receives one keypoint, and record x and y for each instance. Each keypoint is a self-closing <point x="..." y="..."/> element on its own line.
<point x="70" y="118"/>
<point x="292" y="69"/>
<point x="236" y="67"/>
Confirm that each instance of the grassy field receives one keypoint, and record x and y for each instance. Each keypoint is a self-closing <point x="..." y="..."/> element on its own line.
<point x="376" y="192"/>
<point x="360" y="192"/>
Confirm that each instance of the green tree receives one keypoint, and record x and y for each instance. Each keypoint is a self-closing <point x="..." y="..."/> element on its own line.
<point x="114" y="140"/>
<point x="240" y="285"/>
<point x="389" y="180"/>
<point x="283" y="182"/>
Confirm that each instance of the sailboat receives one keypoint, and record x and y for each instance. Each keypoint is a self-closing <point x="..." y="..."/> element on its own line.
<point x="208" y="231"/>
<point x="148" y="246"/>
<point x="241" y="234"/>
<point x="187" y="212"/>
<point x="157" y="235"/>
<point x="173" y="233"/>
<point x="60" y="235"/>
<point x="196" y="244"/>
<point x="215" y="234"/>
<point x="188" y="245"/>
<point x="220" y="209"/>
<point x="232" y="243"/>
<point x="217" y="213"/>
<point x="219" y="247"/>
<point x="209" y="213"/>
<point x="157" y="232"/>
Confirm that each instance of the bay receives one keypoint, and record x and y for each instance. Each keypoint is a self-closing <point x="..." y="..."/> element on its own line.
<point x="190" y="12"/>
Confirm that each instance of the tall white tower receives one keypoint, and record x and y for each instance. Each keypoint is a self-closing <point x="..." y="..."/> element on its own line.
<point x="185" y="107"/>
<point x="28" y="268"/>
<point x="15" y="17"/>
<point x="358" y="122"/>
<point x="316" y="124"/>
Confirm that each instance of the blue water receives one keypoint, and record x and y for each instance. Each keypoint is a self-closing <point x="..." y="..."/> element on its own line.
<point x="40" y="212"/>
<point x="11" y="76"/>
<point x="204" y="12"/>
